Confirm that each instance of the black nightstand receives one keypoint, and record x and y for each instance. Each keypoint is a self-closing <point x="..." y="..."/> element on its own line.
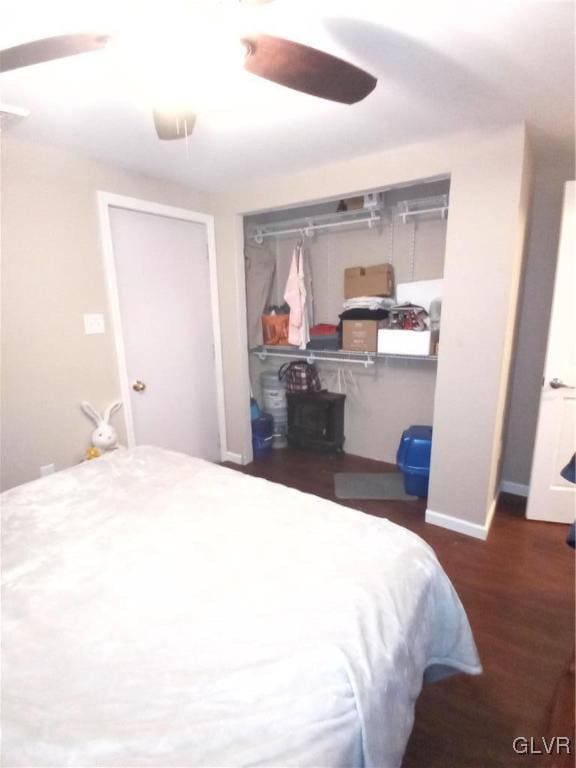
<point x="316" y="421"/>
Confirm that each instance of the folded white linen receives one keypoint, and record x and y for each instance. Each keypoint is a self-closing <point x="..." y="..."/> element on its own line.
<point x="368" y="302"/>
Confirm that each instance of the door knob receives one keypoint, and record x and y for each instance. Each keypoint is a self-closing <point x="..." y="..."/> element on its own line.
<point x="557" y="384"/>
<point x="138" y="386"/>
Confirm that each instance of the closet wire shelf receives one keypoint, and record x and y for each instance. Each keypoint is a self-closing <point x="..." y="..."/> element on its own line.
<point x="307" y="227"/>
<point x="373" y="217"/>
<point x="333" y="356"/>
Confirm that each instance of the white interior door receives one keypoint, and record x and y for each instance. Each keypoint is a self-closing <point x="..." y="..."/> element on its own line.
<point x="162" y="277"/>
<point x="551" y="497"/>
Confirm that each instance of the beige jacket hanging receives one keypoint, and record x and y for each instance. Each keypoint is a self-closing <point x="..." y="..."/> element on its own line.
<point x="295" y="296"/>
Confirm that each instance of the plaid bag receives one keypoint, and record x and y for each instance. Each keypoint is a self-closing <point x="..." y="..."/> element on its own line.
<point x="300" y="376"/>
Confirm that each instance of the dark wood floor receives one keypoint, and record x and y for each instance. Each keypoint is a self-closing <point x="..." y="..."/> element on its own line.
<point x="518" y="591"/>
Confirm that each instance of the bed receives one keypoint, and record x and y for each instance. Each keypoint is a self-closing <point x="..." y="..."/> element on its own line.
<point x="159" y="610"/>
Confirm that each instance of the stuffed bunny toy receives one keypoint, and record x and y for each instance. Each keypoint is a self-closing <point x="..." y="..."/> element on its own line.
<point x="104" y="437"/>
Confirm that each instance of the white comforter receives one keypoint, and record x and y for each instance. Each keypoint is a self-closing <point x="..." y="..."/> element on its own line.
<point x="162" y="611"/>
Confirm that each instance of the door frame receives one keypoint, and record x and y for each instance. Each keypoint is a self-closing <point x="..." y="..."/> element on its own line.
<point x="540" y="490"/>
<point x="108" y="200"/>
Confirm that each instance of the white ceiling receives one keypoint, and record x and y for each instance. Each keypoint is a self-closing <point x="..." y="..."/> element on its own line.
<point x="442" y="66"/>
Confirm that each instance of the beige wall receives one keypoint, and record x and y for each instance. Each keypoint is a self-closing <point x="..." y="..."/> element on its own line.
<point x="526" y="192"/>
<point x="52" y="273"/>
<point x="482" y="273"/>
<point x="481" y="270"/>
<point x="550" y="173"/>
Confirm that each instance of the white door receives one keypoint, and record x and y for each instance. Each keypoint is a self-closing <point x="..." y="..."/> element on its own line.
<point x="551" y="497"/>
<point x="162" y="275"/>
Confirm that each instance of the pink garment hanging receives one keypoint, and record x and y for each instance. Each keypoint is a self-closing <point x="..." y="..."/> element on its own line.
<point x="295" y="296"/>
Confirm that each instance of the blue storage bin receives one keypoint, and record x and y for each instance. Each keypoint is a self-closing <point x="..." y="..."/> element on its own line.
<point x="262" y="435"/>
<point x="413" y="459"/>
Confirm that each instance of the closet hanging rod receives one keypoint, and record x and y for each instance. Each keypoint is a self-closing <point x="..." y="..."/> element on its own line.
<point x="362" y="358"/>
<point x="307" y="231"/>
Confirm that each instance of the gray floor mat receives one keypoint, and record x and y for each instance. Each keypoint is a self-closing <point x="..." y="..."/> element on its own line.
<point x="377" y="485"/>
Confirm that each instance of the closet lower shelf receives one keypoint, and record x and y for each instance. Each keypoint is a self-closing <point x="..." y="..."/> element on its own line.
<point x="333" y="356"/>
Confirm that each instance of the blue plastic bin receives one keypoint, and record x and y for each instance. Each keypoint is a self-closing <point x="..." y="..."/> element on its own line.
<point x="262" y="435"/>
<point x="413" y="459"/>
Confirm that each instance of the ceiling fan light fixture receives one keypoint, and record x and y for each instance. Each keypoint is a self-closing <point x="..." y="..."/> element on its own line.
<point x="171" y="63"/>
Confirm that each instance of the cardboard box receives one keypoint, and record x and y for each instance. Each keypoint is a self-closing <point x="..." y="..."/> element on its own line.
<point x="369" y="281"/>
<point x="360" y="335"/>
<point x="399" y="342"/>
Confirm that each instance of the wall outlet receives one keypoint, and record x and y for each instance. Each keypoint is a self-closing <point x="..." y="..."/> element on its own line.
<point x="47" y="469"/>
<point x="93" y="324"/>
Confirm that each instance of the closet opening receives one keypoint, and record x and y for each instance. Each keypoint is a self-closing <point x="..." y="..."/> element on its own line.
<point x="353" y="285"/>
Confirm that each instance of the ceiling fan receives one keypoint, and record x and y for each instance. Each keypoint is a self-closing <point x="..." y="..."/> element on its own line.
<point x="280" y="60"/>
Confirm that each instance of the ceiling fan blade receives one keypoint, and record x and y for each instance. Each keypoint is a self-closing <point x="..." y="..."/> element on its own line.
<point x="50" y="48"/>
<point x="306" y="69"/>
<point x="173" y="124"/>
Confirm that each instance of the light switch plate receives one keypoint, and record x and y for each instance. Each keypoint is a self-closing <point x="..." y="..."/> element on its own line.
<point x="93" y="324"/>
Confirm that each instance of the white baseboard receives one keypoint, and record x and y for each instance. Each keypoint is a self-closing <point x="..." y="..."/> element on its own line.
<point x="235" y="458"/>
<point x="518" y="489"/>
<point x="462" y="526"/>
